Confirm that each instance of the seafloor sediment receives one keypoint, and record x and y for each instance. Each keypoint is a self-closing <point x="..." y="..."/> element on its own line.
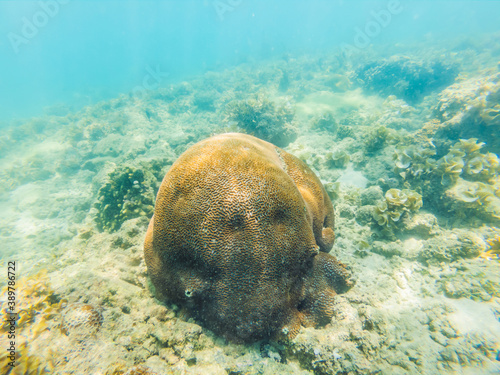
<point x="412" y="170"/>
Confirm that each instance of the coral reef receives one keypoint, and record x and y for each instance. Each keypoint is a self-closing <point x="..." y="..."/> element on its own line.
<point x="463" y="180"/>
<point x="337" y="159"/>
<point x="235" y="237"/>
<point x="345" y="131"/>
<point x="465" y="159"/>
<point x="427" y="297"/>
<point x="451" y="246"/>
<point x="264" y="119"/>
<point x="325" y="122"/>
<point x="470" y="109"/>
<point x="396" y="204"/>
<point x="127" y="193"/>
<point x="377" y="139"/>
<point x="469" y="197"/>
<point x="408" y="79"/>
<point x="414" y="161"/>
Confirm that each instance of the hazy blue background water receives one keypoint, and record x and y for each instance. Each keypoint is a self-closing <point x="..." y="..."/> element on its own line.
<point x="82" y="51"/>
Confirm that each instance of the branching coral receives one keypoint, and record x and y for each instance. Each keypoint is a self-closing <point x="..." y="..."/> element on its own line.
<point x="127" y="194"/>
<point x="264" y="119"/>
<point x="397" y="203"/>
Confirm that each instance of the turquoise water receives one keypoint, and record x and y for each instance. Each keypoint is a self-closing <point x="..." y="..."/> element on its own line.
<point x="78" y="52"/>
<point x="393" y="105"/>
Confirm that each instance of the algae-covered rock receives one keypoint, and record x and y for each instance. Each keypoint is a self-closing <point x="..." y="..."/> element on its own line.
<point x="345" y="131"/>
<point x="127" y="193"/>
<point x="387" y="249"/>
<point x="452" y="246"/>
<point x="407" y="78"/>
<point x="421" y="225"/>
<point x="397" y="114"/>
<point x="467" y="287"/>
<point x="264" y="119"/>
<point x="325" y="122"/>
<point x="477" y="98"/>
<point x="364" y="214"/>
<point x="376" y="139"/>
<point x="337" y="159"/>
<point x="471" y="108"/>
<point x="478" y="282"/>
<point x="371" y="195"/>
<point x="473" y="197"/>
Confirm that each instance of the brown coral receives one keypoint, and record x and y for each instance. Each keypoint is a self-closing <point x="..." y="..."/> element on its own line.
<point x="235" y="238"/>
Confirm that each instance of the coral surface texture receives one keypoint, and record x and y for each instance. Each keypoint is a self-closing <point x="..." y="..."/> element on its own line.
<point x="240" y="236"/>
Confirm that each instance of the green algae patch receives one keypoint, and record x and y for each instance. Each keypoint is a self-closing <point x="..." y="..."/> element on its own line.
<point x="126" y="194"/>
<point x="264" y="119"/>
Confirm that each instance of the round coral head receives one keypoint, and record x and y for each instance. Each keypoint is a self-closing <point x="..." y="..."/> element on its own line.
<point x="238" y="223"/>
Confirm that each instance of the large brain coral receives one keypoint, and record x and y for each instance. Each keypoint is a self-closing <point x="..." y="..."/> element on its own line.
<point x="236" y="238"/>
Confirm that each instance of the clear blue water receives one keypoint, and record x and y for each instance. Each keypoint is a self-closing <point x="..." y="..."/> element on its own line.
<point x="76" y="52"/>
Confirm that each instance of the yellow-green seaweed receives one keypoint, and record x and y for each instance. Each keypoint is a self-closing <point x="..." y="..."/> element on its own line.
<point x="396" y="203"/>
